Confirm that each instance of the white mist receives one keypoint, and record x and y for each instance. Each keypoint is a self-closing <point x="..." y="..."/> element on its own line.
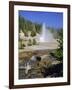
<point x="46" y="35"/>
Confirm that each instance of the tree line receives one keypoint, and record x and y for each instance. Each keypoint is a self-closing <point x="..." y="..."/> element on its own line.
<point x="26" y="25"/>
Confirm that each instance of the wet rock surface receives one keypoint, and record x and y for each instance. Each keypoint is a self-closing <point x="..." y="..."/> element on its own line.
<point x="43" y="66"/>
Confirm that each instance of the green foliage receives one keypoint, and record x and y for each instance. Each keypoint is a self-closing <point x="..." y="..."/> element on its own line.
<point x="29" y="42"/>
<point x="33" y="33"/>
<point x="21" y="45"/>
<point x="34" y="42"/>
<point x="25" y="33"/>
<point x="38" y="28"/>
<point x="58" y="54"/>
<point x="26" y="25"/>
<point x="21" y="23"/>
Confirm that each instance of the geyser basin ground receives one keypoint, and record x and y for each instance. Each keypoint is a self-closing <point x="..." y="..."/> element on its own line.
<point x="42" y="46"/>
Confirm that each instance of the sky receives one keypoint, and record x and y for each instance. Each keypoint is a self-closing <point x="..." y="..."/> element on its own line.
<point x="51" y="19"/>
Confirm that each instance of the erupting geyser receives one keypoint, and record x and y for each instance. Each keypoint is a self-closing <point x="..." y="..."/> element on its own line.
<point x="46" y="35"/>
